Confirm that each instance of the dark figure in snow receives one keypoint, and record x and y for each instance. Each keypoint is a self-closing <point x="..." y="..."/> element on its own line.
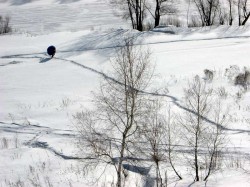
<point x="51" y="51"/>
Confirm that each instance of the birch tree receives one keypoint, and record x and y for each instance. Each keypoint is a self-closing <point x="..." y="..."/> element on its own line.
<point x="108" y="132"/>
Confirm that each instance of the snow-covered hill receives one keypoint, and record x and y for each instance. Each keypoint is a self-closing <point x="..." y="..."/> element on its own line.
<point x="46" y="16"/>
<point x="39" y="95"/>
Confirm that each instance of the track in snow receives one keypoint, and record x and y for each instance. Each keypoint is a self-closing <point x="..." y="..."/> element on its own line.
<point x="173" y="99"/>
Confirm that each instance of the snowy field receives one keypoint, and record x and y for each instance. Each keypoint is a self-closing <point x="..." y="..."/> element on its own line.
<point x="62" y="15"/>
<point x="39" y="95"/>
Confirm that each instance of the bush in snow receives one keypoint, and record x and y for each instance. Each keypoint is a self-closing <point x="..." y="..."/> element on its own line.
<point x="222" y="93"/>
<point x="171" y="20"/>
<point x="243" y="79"/>
<point x="194" y="22"/>
<point x="148" y="26"/>
<point x="232" y="71"/>
<point x="209" y="75"/>
<point x="4" y="25"/>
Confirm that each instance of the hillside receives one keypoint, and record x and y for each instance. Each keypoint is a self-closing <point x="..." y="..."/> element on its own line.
<point x="39" y="96"/>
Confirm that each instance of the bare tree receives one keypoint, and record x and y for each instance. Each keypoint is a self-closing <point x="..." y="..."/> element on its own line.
<point x="163" y="7"/>
<point x="5" y="25"/>
<point x="215" y="136"/>
<point x="109" y="131"/>
<point x="134" y="10"/>
<point x="197" y="98"/>
<point x="239" y="11"/>
<point x="243" y="12"/>
<point x="171" y="139"/>
<point x="205" y="139"/>
<point x="158" y="131"/>
<point x="223" y="15"/>
<point x="208" y="10"/>
<point x="152" y="132"/>
<point x="231" y="4"/>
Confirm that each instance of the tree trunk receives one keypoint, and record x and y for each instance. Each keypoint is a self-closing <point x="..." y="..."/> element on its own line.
<point x="157" y="13"/>
<point x="119" y="171"/>
<point x="230" y="14"/>
<point x="172" y="165"/>
<point x="169" y="150"/>
<point x="196" y="159"/>
<point x="196" y="142"/>
<point x="140" y="26"/>
<point x="131" y="14"/>
<point x="239" y="12"/>
<point x="210" y="165"/>
<point x="209" y="20"/>
<point x="246" y="19"/>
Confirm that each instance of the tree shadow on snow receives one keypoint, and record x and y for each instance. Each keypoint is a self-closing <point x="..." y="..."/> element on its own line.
<point x="174" y="99"/>
<point x="67" y="1"/>
<point x="136" y="169"/>
<point x="20" y="2"/>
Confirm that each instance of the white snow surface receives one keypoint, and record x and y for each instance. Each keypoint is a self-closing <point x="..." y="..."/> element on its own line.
<point x="39" y="95"/>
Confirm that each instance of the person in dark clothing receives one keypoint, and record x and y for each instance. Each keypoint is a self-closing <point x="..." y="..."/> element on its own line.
<point x="51" y="51"/>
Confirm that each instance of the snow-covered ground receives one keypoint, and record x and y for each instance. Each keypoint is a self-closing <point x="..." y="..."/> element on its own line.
<point x="40" y="16"/>
<point x="39" y="95"/>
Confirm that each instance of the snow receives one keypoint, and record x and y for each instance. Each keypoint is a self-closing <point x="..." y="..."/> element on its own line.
<point x="46" y="16"/>
<point x="38" y="95"/>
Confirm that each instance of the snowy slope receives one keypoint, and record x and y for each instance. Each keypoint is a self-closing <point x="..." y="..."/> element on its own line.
<point x="38" y="96"/>
<point x="45" y="16"/>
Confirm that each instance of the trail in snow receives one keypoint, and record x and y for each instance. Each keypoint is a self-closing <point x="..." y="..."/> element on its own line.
<point x="40" y="131"/>
<point x="44" y="145"/>
<point x="109" y="40"/>
<point x="174" y="99"/>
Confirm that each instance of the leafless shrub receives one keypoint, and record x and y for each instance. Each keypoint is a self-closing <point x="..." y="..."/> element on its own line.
<point x="9" y="143"/>
<point x="222" y="16"/>
<point x="5" y="25"/>
<point x="240" y="79"/>
<point x="234" y="161"/>
<point x="232" y="71"/>
<point x="16" y="141"/>
<point x="16" y="155"/>
<point x="17" y="183"/>
<point x="239" y="95"/>
<point x="243" y="79"/>
<point x="209" y="75"/>
<point x="222" y="93"/>
<point x="148" y="26"/>
<point x="4" y="143"/>
<point x="194" y="22"/>
<point x="171" y="20"/>
<point x="12" y="118"/>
